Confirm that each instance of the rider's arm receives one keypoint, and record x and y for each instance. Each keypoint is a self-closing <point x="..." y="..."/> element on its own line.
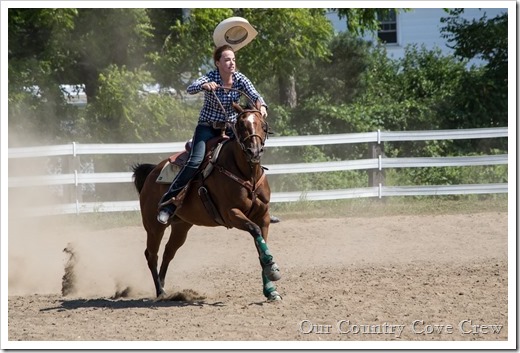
<point x="196" y="86"/>
<point x="251" y="91"/>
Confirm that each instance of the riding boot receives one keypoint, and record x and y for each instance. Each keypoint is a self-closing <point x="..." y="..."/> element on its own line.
<point x="167" y="210"/>
<point x="165" y="213"/>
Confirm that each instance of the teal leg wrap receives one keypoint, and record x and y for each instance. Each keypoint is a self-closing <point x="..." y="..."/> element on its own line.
<point x="269" y="286"/>
<point x="265" y="254"/>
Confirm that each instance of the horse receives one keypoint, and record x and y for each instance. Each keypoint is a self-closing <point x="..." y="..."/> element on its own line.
<point x="237" y="188"/>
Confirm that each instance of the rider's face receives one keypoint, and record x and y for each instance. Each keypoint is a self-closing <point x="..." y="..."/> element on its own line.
<point x="226" y="63"/>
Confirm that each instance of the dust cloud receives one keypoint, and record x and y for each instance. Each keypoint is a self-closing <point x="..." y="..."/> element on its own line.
<point x="47" y="257"/>
<point x="102" y="264"/>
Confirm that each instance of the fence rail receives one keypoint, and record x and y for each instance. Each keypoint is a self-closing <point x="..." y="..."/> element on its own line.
<point x="75" y="149"/>
<point x="291" y="168"/>
<point x="379" y="163"/>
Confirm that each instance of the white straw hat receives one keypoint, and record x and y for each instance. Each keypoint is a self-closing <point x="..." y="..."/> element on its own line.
<point x="234" y="31"/>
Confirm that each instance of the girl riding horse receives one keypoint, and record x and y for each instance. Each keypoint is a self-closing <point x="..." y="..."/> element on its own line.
<point x="216" y="111"/>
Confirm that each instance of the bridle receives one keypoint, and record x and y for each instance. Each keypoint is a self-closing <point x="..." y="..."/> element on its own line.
<point x="240" y="141"/>
<point x="252" y="186"/>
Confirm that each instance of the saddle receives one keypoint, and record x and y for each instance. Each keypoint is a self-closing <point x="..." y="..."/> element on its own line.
<point x="177" y="160"/>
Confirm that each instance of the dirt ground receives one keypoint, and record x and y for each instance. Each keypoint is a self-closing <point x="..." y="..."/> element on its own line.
<point x="398" y="278"/>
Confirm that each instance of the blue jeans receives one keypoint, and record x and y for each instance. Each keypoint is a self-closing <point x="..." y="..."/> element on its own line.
<point x="203" y="133"/>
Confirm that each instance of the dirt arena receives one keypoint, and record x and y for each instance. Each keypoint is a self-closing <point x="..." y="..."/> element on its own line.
<point x="388" y="278"/>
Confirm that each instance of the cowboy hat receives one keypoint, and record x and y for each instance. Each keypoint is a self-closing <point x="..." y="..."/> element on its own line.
<point x="234" y="31"/>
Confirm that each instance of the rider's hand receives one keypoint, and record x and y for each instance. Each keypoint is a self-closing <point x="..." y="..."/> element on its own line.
<point x="263" y="110"/>
<point x="209" y="86"/>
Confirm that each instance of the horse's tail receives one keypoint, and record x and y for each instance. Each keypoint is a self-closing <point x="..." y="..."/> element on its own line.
<point x="141" y="171"/>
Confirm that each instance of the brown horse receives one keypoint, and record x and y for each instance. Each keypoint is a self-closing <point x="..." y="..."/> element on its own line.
<point x="238" y="188"/>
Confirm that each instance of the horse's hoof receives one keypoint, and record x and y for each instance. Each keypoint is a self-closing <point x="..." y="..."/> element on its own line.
<point x="160" y="297"/>
<point x="274" y="297"/>
<point x="274" y="219"/>
<point x="272" y="272"/>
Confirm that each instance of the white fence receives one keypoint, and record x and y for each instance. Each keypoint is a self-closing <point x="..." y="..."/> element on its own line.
<point x="378" y="163"/>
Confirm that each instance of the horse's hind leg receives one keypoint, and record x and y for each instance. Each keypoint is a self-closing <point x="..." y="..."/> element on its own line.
<point x="153" y="241"/>
<point x="177" y="238"/>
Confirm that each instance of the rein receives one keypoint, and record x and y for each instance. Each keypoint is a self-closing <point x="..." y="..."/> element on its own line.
<point x="231" y="89"/>
<point x="245" y="183"/>
<point x="232" y="125"/>
<point x="251" y="187"/>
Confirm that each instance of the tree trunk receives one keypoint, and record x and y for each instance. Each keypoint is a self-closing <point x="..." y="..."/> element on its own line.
<point x="287" y="88"/>
<point x="91" y="85"/>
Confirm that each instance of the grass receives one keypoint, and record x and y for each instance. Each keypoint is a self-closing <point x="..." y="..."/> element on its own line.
<point x="434" y="205"/>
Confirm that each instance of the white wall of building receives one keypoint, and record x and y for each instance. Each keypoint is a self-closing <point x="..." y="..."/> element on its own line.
<point x="422" y="27"/>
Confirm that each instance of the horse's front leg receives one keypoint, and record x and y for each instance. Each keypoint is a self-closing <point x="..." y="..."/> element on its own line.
<point x="270" y="270"/>
<point x="269" y="273"/>
<point x="270" y="289"/>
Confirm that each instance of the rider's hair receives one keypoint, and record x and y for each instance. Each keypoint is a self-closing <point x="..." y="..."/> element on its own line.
<point x="217" y="54"/>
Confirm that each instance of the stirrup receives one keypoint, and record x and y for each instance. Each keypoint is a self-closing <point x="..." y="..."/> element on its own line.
<point x="168" y="202"/>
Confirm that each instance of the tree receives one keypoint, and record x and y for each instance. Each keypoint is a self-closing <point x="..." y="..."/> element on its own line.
<point x="484" y="38"/>
<point x="482" y="94"/>
<point x="286" y="37"/>
<point x="49" y="47"/>
<point x="74" y="45"/>
<point x="104" y="37"/>
<point x="187" y="47"/>
<point x="338" y="77"/>
<point x="36" y="103"/>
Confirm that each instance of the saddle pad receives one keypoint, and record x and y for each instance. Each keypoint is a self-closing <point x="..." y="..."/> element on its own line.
<point x="168" y="173"/>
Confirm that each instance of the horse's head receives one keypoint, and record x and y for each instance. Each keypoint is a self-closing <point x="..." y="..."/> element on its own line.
<point x="251" y="131"/>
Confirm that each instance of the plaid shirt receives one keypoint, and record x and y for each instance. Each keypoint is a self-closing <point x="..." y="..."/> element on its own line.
<point x="211" y="110"/>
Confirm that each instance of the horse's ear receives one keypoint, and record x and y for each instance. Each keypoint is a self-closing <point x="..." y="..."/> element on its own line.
<point x="258" y="104"/>
<point x="238" y="107"/>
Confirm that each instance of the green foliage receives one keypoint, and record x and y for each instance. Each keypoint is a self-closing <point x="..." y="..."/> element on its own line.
<point x="422" y="91"/>
<point x="319" y="181"/>
<point x="124" y="112"/>
<point x="343" y="84"/>
<point x="338" y="76"/>
<point x="447" y="175"/>
<point x="287" y="38"/>
<point x="37" y="109"/>
<point x="36" y="41"/>
<point x="188" y="46"/>
<point x="392" y="206"/>
<point x="484" y="38"/>
<point x="104" y="37"/>
<point x="411" y="90"/>
<point x="40" y="118"/>
<point x="481" y="96"/>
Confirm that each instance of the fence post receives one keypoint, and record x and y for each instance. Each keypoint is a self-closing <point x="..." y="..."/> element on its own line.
<point x="376" y="176"/>
<point x="74" y="166"/>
